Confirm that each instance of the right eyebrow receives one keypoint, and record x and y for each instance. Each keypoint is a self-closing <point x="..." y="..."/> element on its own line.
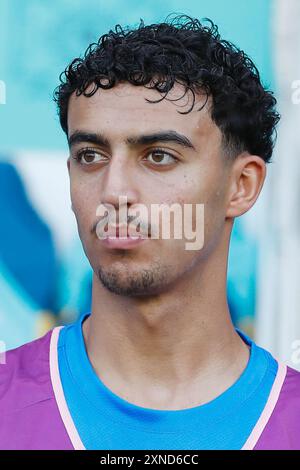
<point x="79" y="136"/>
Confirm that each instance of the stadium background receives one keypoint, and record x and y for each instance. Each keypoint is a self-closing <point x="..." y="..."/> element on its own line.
<point x="45" y="278"/>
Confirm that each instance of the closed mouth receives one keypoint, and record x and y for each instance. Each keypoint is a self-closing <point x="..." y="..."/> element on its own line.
<point x="117" y="231"/>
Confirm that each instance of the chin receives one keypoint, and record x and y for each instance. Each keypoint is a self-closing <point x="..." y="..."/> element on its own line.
<point x="124" y="281"/>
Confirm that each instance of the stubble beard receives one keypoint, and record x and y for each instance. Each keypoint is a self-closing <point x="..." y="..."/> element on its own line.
<point x="131" y="283"/>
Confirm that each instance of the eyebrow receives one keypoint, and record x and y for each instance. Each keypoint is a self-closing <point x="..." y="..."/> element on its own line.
<point x="99" y="139"/>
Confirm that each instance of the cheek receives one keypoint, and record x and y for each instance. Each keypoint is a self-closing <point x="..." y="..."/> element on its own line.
<point x="84" y="205"/>
<point x="207" y="189"/>
<point x="215" y="213"/>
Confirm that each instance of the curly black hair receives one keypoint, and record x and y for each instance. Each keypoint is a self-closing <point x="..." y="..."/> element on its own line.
<point x="188" y="52"/>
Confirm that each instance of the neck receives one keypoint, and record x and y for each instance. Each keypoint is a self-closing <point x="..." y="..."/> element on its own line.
<point x="171" y="351"/>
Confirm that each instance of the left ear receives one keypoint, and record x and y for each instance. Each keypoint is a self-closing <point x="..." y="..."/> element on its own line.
<point x="247" y="177"/>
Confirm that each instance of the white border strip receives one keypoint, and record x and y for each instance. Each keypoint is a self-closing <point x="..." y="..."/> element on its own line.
<point x="59" y="393"/>
<point x="268" y="409"/>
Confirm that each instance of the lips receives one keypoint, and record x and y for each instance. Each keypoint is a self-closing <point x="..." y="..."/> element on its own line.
<point x="122" y="232"/>
<point x="119" y="238"/>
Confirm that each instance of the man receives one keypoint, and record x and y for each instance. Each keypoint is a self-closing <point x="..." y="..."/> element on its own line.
<point x="164" y="115"/>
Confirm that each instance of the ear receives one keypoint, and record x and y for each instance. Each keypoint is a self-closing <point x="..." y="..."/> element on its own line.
<point x="248" y="173"/>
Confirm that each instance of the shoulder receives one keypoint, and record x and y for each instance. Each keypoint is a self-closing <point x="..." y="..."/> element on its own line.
<point x="25" y="375"/>
<point x="290" y="392"/>
<point x="285" y="394"/>
<point x="29" y="414"/>
<point x="281" y="417"/>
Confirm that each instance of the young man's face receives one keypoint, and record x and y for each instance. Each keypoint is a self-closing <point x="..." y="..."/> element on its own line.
<point x="196" y="174"/>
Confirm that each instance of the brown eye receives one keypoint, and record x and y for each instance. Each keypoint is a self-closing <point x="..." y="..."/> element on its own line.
<point x="160" y="158"/>
<point x="89" y="156"/>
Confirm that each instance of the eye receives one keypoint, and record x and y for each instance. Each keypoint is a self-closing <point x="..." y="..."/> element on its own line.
<point x="160" y="158"/>
<point x="89" y="156"/>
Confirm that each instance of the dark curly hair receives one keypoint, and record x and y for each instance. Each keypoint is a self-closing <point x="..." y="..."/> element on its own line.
<point x="185" y="51"/>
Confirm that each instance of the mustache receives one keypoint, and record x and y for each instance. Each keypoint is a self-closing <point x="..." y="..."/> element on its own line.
<point x="106" y="220"/>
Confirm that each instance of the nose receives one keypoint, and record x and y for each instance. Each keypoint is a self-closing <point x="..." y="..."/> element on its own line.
<point x="120" y="180"/>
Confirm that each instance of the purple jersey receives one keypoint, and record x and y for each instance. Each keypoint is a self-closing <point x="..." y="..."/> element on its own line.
<point x="34" y="413"/>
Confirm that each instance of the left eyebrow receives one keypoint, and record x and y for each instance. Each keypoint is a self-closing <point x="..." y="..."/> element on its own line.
<point x="166" y="136"/>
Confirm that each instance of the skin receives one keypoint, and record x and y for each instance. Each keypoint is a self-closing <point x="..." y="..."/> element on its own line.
<point x="168" y="343"/>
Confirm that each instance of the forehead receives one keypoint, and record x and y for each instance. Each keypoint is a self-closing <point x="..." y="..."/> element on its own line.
<point x="123" y="109"/>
